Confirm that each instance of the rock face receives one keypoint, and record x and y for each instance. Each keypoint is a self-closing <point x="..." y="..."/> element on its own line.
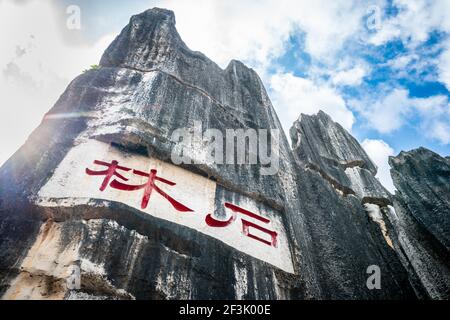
<point x="310" y="230"/>
<point x="324" y="146"/>
<point x="422" y="217"/>
<point x="345" y="207"/>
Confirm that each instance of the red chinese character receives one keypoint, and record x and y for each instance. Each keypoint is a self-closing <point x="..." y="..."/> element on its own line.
<point x="108" y="173"/>
<point x="148" y="187"/>
<point x="212" y="222"/>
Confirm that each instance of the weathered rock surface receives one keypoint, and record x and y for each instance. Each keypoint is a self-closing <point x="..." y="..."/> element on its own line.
<point x="149" y="84"/>
<point x="324" y="146"/>
<point x="422" y="216"/>
<point x="324" y="199"/>
<point x="345" y="207"/>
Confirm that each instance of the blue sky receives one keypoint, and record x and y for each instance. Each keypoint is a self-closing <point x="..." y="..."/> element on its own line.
<point x="380" y="68"/>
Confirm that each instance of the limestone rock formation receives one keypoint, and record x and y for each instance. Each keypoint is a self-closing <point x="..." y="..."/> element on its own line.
<point x="324" y="146"/>
<point x="422" y="217"/>
<point x="345" y="207"/>
<point x="309" y="231"/>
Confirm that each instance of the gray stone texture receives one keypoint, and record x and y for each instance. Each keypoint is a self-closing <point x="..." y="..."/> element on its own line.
<point x="150" y="83"/>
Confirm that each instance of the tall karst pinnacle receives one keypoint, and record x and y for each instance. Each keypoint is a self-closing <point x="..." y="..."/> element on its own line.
<point x="93" y="206"/>
<point x="422" y="217"/>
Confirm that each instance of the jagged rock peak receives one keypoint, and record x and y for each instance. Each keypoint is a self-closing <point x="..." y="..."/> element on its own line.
<point x="151" y="29"/>
<point x="419" y="154"/>
<point x="319" y="138"/>
<point x="322" y="145"/>
<point x="150" y="39"/>
<point x="422" y="205"/>
<point x="422" y="178"/>
<point x="150" y="42"/>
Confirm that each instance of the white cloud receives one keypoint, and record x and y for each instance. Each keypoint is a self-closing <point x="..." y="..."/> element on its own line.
<point x="401" y="62"/>
<point x="440" y="130"/>
<point x="379" y="151"/>
<point x="389" y="113"/>
<point x="414" y="22"/>
<point x="294" y="95"/>
<point x="395" y="108"/>
<point x="413" y="25"/>
<point x="350" y="77"/>
<point x="36" y="65"/>
<point x="256" y="31"/>
<point x="444" y="67"/>
<point x="435" y="117"/>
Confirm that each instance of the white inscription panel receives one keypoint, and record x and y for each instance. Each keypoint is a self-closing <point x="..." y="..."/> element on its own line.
<point x="94" y="169"/>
